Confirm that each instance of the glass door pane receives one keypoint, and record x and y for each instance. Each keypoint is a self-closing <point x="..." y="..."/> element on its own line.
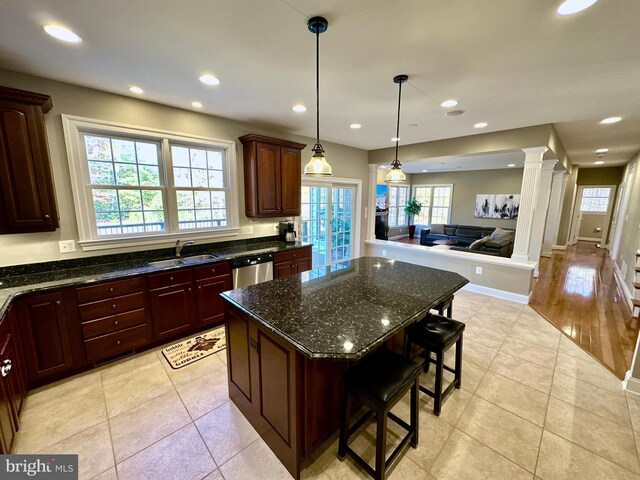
<point x="341" y="223"/>
<point x="313" y="221"/>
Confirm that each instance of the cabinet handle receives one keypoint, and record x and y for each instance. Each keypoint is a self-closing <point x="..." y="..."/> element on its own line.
<point x="118" y="342"/>
<point x="46" y="216"/>
<point x="294" y="255"/>
<point x="111" y="290"/>
<point x="254" y="344"/>
<point x="189" y="288"/>
<point x="199" y="287"/>
<point x="57" y="302"/>
<point x="115" y="322"/>
<point x="6" y="367"/>
<point x="171" y="279"/>
<point x="113" y="306"/>
<point x="213" y="270"/>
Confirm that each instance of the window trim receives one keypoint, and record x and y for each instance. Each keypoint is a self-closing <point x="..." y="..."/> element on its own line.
<point x="79" y="173"/>
<point x="432" y="186"/>
<point x="612" y="192"/>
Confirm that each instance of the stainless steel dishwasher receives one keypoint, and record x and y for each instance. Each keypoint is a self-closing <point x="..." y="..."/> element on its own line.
<point x="251" y="270"/>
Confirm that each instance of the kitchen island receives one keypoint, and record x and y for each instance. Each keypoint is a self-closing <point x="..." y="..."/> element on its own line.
<point x="290" y="340"/>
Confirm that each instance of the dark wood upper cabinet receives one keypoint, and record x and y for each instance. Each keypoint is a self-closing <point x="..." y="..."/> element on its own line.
<point x="26" y="184"/>
<point x="271" y="176"/>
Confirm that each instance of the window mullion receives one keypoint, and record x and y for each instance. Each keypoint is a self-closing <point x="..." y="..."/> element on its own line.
<point x="171" y="205"/>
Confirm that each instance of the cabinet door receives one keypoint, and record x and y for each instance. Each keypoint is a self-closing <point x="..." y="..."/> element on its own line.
<point x="20" y="378"/>
<point x="238" y="355"/>
<point x="303" y="264"/>
<point x="268" y="178"/>
<point x="172" y="310"/>
<point x="210" y="304"/>
<point x="10" y="371"/>
<point x="282" y="269"/>
<point x="25" y="177"/>
<point x="291" y="181"/>
<point x="45" y="335"/>
<point x="7" y="430"/>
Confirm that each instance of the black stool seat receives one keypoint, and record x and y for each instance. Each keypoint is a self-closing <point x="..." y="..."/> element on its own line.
<point x="436" y="331"/>
<point x="379" y="382"/>
<point x="382" y="377"/>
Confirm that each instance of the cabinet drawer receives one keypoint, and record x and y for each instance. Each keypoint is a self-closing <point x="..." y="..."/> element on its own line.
<point x="117" y="342"/>
<point x="174" y="277"/>
<point x="109" y="290"/>
<point x="212" y="270"/>
<point x="113" y="323"/>
<point x="111" y="306"/>
<point x="292" y="255"/>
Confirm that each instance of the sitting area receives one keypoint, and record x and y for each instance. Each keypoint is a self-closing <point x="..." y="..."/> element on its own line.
<point x="472" y="238"/>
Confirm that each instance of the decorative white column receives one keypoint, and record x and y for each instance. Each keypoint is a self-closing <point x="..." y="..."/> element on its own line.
<point x="558" y="186"/>
<point x="371" y="203"/>
<point x="528" y="200"/>
<point x="541" y="212"/>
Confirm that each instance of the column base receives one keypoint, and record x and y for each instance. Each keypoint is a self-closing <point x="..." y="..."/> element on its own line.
<point x="520" y="258"/>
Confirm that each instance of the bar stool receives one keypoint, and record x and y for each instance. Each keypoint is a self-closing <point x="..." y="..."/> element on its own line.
<point x="379" y="382"/>
<point x="436" y="333"/>
<point x="445" y="305"/>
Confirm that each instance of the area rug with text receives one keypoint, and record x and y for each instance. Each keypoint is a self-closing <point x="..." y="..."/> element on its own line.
<point x="193" y="349"/>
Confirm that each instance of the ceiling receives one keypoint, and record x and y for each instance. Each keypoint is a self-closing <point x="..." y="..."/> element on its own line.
<point x="511" y="63"/>
<point x="490" y="161"/>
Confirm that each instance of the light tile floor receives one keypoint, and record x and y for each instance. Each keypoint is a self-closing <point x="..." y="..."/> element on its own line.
<point x="531" y="403"/>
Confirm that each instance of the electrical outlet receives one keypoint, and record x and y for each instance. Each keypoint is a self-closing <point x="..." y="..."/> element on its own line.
<point x="384" y="253"/>
<point x="478" y="270"/>
<point x="246" y="230"/>
<point x="67" y="246"/>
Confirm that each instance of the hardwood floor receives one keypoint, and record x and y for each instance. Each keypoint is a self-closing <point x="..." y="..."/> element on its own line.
<point x="577" y="292"/>
<point x="415" y="241"/>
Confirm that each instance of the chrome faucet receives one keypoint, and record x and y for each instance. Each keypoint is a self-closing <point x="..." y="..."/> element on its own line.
<point x="180" y="247"/>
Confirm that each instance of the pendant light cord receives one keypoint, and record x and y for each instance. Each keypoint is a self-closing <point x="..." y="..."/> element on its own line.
<point x="318" y="87"/>
<point x="398" y="123"/>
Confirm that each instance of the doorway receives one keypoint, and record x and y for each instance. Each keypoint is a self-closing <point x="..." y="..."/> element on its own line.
<point x="592" y="214"/>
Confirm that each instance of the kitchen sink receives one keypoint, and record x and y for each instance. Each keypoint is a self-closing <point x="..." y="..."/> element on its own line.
<point x="174" y="262"/>
<point x="198" y="258"/>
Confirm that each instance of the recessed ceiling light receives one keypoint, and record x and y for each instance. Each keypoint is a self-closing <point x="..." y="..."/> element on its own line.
<point x="511" y="165"/>
<point x="425" y="171"/>
<point x="610" y="120"/>
<point x="412" y="125"/>
<point x="355" y="126"/>
<point x="598" y="162"/>
<point x="569" y="7"/>
<point x="62" y="33"/>
<point x="196" y="104"/>
<point x="454" y="113"/>
<point x="136" y="89"/>
<point x="395" y="139"/>
<point x="449" y="103"/>
<point x="480" y="125"/>
<point x="299" y="108"/>
<point x="602" y="150"/>
<point x="209" y="79"/>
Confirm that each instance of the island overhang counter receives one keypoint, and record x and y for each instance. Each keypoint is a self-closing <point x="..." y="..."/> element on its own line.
<point x="289" y="341"/>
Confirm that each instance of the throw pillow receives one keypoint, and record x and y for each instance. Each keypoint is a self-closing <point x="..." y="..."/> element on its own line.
<point x="437" y="228"/>
<point x="500" y="233"/>
<point x="478" y="243"/>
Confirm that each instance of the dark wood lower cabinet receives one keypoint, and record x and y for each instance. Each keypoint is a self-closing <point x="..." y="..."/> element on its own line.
<point x="292" y="401"/>
<point x="172" y="310"/>
<point x="210" y="304"/>
<point x="291" y="262"/>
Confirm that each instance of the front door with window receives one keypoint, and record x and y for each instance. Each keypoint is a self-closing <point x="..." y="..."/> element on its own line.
<point x="327" y="221"/>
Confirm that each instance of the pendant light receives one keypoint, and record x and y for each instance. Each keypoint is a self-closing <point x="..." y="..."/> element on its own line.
<point x="317" y="166"/>
<point x="396" y="175"/>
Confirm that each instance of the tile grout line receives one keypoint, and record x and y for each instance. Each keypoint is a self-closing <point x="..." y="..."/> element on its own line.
<point x="633" y="430"/>
<point x="106" y="410"/>
<point x="544" y="422"/>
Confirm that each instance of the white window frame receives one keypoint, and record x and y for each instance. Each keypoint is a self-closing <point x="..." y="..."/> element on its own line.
<point x="398" y="207"/>
<point x="81" y="188"/>
<point x="432" y="186"/>
<point x="587" y="187"/>
<point x="357" y="212"/>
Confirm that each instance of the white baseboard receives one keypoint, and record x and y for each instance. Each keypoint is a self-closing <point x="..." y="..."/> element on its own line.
<point x="559" y="247"/>
<point x="623" y="286"/>
<point x="590" y="239"/>
<point x="631" y="384"/>
<point x="494" y="292"/>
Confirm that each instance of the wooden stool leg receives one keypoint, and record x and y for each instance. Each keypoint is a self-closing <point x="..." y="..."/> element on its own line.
<point x="415" y="406"/>
<point x="381" y="444"/>
<point x="407" y="347"/>
<point x="344" y="424"/>
<point x="458" y="374"/>
<point x="437" y="397"/>
<point x="427" y="361"/>
<point x="450" y="310"/>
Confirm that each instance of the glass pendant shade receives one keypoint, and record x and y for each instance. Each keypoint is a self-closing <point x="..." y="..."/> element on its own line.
<point x="395" y="175"/>
<point x="318" y="166"/>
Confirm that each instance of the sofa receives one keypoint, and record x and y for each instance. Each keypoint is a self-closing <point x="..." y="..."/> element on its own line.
<point x="500" y="244"/>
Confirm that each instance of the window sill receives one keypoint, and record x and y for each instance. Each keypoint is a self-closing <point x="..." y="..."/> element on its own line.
<point x="128" y="242"/>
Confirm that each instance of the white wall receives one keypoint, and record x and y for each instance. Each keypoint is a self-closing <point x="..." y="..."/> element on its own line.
<point x="70" y="99"/>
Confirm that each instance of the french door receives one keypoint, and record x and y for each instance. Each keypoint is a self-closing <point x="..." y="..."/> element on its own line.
<point x="327" y="221"/>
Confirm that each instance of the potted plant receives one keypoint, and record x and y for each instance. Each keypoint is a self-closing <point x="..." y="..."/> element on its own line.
<point x="411" y="209"/>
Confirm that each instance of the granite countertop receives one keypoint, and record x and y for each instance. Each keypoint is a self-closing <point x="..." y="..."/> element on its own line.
<point x="13" y="286"/>
<point x="350" y="308"/>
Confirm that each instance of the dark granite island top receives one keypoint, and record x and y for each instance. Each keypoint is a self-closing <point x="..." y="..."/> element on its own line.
<point x="347" y="312"/>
